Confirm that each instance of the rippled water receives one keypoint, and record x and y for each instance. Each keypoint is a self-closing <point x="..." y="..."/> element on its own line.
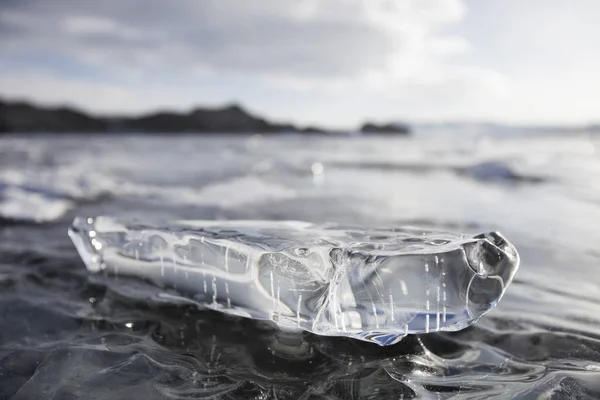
<point x="65" y="334"/>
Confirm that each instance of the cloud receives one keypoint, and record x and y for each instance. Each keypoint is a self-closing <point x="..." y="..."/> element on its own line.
<point x="296" y="38"/>
<point x="396" y="50"/>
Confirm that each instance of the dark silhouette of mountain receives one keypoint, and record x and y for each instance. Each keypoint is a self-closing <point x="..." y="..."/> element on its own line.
<point x="19" y="116"/>
<point x="228" y="119"/>
<point x="24" y="117"/>
<point x="398" y="128"/>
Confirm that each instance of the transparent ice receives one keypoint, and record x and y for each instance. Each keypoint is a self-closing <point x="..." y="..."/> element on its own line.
<point x="376" y="285"/>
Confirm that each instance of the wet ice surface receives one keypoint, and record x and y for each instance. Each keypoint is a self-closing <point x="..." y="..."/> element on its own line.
<point x="66" y="333"/>
<point x="376" y="285"/>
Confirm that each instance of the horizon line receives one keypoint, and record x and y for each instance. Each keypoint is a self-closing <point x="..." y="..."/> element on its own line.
<point x="412" y="123"/>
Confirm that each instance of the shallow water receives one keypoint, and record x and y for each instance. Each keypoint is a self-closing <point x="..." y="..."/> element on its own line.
<point x="67" y="334"/>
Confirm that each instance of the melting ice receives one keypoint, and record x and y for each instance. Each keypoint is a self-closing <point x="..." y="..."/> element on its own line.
<point x="376" y="285"/>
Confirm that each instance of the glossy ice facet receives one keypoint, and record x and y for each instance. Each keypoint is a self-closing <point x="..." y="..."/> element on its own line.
<point x="376" y="285"/>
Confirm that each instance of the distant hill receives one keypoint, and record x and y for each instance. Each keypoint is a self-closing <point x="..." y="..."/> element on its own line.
<point x="18" y="116"/>
<point x="396" y="128"/>
<point x="24" y="117"/>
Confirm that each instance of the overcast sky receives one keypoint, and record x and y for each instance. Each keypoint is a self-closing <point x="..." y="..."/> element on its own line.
<point x="329" y="62"/>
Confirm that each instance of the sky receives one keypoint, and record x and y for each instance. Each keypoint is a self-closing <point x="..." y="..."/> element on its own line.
<point x="335" y="63"/>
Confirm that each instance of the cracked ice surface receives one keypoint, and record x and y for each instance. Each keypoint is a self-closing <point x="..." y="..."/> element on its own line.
<point x="376" y="285"/>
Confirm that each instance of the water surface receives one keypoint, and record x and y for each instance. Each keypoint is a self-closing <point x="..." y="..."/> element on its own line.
<point x="66" y="334"/>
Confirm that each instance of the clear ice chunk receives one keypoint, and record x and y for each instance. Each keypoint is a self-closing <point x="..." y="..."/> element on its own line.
<point x="376" y="285"/>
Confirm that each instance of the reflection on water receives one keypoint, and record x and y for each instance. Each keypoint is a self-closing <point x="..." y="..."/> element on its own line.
<point x="66" y="334"/>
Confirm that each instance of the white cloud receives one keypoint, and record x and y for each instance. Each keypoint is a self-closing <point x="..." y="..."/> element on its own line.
<point x="395" y="50"/>
<point x="299" y="38"/>
<point x="89" y="26"/>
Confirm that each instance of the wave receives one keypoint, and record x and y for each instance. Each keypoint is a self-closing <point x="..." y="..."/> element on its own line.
<point x="491" y="171"/>
<point x="31" y="204"/>
<point x="37" y="202"/>
<point x="486" y="171"/>
<point x="41" y="196"/>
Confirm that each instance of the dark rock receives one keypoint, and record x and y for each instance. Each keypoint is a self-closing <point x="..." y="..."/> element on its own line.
<point x="386" y="128"/>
